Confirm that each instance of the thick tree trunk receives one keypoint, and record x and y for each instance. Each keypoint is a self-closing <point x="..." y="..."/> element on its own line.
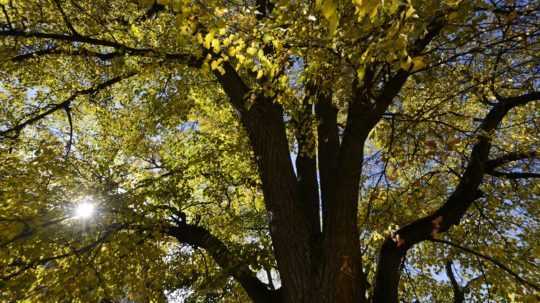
<point x="320" y="263"/>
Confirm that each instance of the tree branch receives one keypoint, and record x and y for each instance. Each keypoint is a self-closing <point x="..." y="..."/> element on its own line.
<point x="513" y="175"/>
<point x="365" y="110"/>
<point x="199" y="237"/>
<point x="70" y="122"/>
<point x="328" y="148"/>
<point x="520" y="100"/>
<point x="264" y="7"/>
<point x="22" y="267"/>
<point x="459" y="295"/>
<point x="62" y="105"/>
<point x="306" y="168"/>
<point x="490" y="259"/>
<point x="450" y="213"/>
<point x="187" y="59"/>
<point x="510" y="157"/>
<point x="66" y="19"/>
<point x="152" y="12"/>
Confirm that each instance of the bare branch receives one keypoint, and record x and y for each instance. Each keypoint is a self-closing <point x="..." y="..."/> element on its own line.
<point x="490" y="259"/>
<point x="22" y="267"/>
<point x="459" y="295"/>
<point x="70" y="121"/>
<point x="66" y="19"/>
<point x="187" y="59"/>
<point x="513" y="175"/>
<point x="62" y="105"/>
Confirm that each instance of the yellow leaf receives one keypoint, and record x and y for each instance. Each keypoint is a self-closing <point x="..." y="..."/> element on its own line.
<point x="251" y="51"/>
<point x="215" y="45"/>
<point x="330" y="13"/>
<point x="241" y="58"/>
<point x="360" y="72"/>
<point x="199" y="38"/>
<point x="136" y="31"/>
<point x="366" y="7"/>
<point x="411" y="12"/>
<point x="215" y="64"/>
<point x="328" y="8"/>
<point x="453" y="16"/>
<point x="208" y="39"/>
<point x="406" y="65"/>
<point x="418" y="63"/>
<point x="332" y="24"/>
<point x="277" y="44"/>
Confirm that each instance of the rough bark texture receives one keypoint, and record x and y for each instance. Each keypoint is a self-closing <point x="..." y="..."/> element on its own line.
<point x="319" y="263"/>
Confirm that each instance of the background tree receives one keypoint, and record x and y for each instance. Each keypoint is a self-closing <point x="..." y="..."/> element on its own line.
<point x="272" y="151"/>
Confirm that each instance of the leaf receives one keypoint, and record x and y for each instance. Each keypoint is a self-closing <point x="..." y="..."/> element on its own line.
<point x="135" y="30"/>
<point x="328" y="8"/>
<point x="216" y="45"/>
<point x="208" y="39"/>
<point x="214" y="64"/>
<point x="330" y="13"/>
<point x="333" y="21"/>
<point x="366" y="8"/>
<point x="418" y="63"/>
<point x="406" y="64"/>
<point x="251" y="51"/>
<point x="361" y="72"/>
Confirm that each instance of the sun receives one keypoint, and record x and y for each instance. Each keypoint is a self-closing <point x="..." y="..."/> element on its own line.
<point x="85" y="209"/>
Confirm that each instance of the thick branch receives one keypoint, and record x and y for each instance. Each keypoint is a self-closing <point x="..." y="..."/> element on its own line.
<point x="68" y="38"/>
<point x="58" y="51"/>
<point x="328" y="148"/>
<point x="513" y="175"/>
<point x="28" y="231"/>
<point x="450" y="213"/>
<point x="289" y="227"/>
<point x="306" y="169"/>
<point x="522" y="99"/>
<point x="365" y="110"/>
<point x="510" y="157"/>
<point x="199" y="237"/>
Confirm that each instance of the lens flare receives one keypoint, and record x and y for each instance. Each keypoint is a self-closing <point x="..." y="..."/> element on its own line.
<point x="85" y="210"/>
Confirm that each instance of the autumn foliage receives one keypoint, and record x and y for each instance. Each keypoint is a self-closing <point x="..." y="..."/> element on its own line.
<point x="269" y="151"/>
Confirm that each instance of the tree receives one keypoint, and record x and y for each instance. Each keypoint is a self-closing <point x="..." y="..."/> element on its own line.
<point x="271" y="151"/>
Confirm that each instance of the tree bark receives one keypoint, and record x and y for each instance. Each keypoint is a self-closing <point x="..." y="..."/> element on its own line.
<point x="451" y="212"/>
<point x="199" y="237"/>
<point x="289" y="225"/>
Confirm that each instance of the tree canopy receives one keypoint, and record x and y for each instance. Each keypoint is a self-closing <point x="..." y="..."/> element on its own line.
<point x="269" y="151"/>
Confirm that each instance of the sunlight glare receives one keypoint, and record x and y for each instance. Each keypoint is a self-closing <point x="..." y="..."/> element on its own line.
<point x="85" y="209"/>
